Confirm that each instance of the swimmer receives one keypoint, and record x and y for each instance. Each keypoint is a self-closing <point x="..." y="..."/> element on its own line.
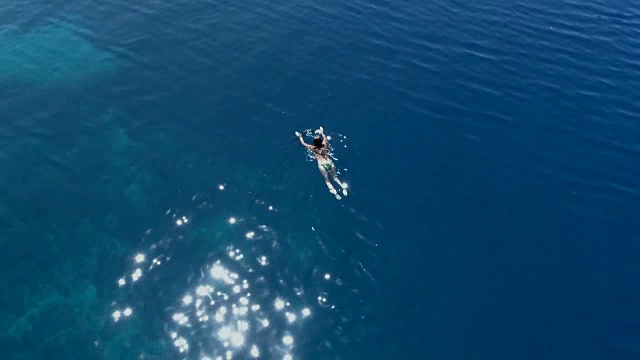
<point x="326" y="166"/>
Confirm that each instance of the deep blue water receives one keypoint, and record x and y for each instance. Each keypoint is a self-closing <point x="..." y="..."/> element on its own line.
<point x="491" y="150"/>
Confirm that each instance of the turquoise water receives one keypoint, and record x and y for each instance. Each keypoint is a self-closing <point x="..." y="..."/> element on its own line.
<point x="154" y="202"/>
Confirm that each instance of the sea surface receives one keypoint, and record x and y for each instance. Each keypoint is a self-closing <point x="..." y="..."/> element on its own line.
<point x="155" y="203"/>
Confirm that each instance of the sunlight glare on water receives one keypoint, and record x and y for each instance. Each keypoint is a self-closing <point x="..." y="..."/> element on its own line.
<point x="218" y="314"/>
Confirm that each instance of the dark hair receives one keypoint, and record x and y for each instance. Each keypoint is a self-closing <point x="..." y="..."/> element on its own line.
<point x="317" y="142"/>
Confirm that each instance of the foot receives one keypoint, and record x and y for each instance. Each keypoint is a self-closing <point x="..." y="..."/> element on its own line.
<point x="343" y="186"/>
<point x="334" y="192"/>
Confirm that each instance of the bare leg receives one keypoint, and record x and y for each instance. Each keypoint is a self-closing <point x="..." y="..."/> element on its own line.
<point x="326" y="180"/>
<point x="335" y="178"/>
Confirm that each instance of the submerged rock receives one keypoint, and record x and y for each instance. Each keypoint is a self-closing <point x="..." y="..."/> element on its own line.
<point x="55" y="53"/>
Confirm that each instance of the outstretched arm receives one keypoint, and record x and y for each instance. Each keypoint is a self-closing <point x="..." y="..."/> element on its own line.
<point x="302" y="141"/>
<point x="324" y="137"/>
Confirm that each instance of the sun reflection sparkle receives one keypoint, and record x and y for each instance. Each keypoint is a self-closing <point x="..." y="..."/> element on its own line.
<point x="306" y="312"/>
<point x="187" y="299"/>
<point x="287" y="340"/>
<point x="218" y="317"/>
<point x="136" y="275"/>
<point x="255" y="352"/>
<point x="279" y="304"/>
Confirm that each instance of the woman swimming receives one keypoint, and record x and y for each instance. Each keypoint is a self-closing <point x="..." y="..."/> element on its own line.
<point x="326" y="166"/>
